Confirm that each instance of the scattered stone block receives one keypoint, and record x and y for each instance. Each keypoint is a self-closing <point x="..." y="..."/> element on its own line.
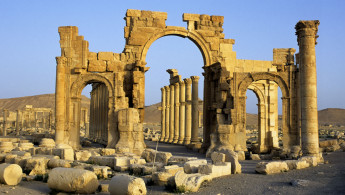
<point x="10" y="174"/>
<point x="127" y="185"/>
<point x="100" y="171"/>
<point x="192" y="166"/>
<point x="162" y="178"/>
<point x="64" y="153"/>
<point x="271" y="167"/>
<point x="311" y="160"/>
<point x="47" y="143"/>
<point x="83" y="155"/>
<point x="231" y="156"/>
<point x="214" y="171"/>
<point x="149" y="156"/>
<point x="102" y="160"/>
<point x="175" y="160"/>
<point x="107" y="151"/>
<point x="297" y="164"/>
<point x="73" y="180"/>
<point x="36" y="165"/>
<point x="190" y="182"/>
<point x="173" y="169"/>
<point x="54" y="163"/>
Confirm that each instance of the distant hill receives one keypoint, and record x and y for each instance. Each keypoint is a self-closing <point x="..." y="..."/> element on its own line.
<point x="37" y="101"/>
<point x="334" y="116"/>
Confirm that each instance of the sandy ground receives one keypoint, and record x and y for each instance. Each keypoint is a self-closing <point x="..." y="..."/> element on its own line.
<point x="324" y="179"/>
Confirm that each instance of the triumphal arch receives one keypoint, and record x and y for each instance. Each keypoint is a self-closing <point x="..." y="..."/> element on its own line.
<point x="118" y="86"/>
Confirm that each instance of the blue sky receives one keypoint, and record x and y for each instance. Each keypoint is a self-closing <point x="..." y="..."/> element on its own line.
<point x="29" y="40"/>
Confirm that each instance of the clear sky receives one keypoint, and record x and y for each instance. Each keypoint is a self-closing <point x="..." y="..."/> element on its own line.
<point x="29" y="39"/>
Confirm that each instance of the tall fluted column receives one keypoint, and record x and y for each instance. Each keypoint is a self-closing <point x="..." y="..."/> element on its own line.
<point x="50" y="120"/>
<point x="4" y="131"/>
<point x="182" y="111"/>
<point x="177" y="112"/>
<point x="306" y="32"/>
<point x="17" y="122"/>
<point x="36" y="121"/>
<point x="172" y="114"/>
<point x="167" y="114"/>
<point x="86" y="123"/>
<point x="163" y="115"/>
<point x="188" y="129"/>
<point x="195" y="110"/>
<point x="60" y="94"/>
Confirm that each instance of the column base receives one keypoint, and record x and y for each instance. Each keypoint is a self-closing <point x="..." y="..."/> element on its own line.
<point x="166" y="139"/>
<point x="186" y="142"/>
<point x="180" y="142"/>
<point x="175" y="141"/>
<point x="170" y="141"/>
<point x="196" y="146"/>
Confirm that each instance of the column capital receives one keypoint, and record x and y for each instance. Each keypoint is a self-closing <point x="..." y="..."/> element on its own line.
<point x="167" y="88"/>
<point x="163" y="89"/>
<point x="187" y="81"/>
<point x="176" y="84"/>
<point x="182" y="83"/>
<point x="307" y="28"/>
<point x="195" y="78"/>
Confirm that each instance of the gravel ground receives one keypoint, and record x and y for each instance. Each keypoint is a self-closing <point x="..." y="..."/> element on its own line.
<point x="324" y="179"/>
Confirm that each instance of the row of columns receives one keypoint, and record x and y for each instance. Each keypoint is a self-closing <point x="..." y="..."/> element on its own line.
<point x="24" y="120"/>
<point x="99" y="107"/>
<point x="180" y="114"/>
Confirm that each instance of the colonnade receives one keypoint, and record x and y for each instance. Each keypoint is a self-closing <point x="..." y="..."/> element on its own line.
<point x="179" y="110"/>
<point x="28" y="118"/>
<point x="99" y="108"/>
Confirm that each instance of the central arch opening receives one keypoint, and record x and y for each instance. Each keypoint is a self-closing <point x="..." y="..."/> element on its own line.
<point x="170" y="52"/>
<point x="263" y="116"/>
<point x="94" y="113"/>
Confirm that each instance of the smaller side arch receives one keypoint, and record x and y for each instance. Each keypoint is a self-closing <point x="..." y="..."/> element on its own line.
<point x="83" y="80"/>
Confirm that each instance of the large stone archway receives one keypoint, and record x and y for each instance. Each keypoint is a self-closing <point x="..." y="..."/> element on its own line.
<point x="226" y="80"/>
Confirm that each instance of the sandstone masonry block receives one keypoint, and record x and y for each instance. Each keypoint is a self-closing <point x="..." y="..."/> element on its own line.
<point x="127" y="185"/>
<point x="271" y="167"/>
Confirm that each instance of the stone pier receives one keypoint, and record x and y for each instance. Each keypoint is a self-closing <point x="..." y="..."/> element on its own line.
<point x="17" y="122"/>
<point x="306" y="32"/>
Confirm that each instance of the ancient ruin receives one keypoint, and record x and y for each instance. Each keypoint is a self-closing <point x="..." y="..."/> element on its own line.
<point x="118" y="81"/>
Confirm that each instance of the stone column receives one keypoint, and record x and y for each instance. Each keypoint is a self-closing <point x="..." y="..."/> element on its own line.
<point x="188" y="120"/>
<point x="60" y="93"/>
<point x="50" y="120"/>
<point x="167" y="114"/>
<point x="4" y="131"/>
<point x="172" y="114"/>
<point x="195" y="110"/>
<point x="36" y="121"/>
<point x="17" y="122"/>
<point x="177" y="113"/>
<point x="306" y="32"/>
<point x="182" y="112"/>
<point x="163" y="115"/>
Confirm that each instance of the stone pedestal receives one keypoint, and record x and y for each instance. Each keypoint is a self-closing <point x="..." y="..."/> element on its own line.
<point x="182" y="112"/>
<point x="188" y="106"/>
<point x="306" y="32"/>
